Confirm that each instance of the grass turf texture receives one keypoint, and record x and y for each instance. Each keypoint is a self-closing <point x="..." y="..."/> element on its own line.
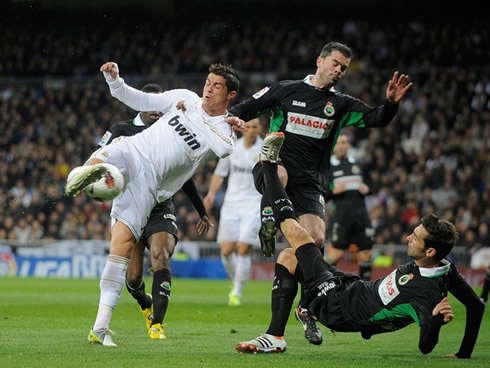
<point x="45" y="322"/>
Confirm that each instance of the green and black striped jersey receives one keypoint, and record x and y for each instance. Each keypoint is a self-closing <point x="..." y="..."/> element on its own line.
<point x="311" y="119"/>
<point x="407" y="295"/>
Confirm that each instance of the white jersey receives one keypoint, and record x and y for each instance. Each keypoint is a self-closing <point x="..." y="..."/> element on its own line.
<point x="240" y="212"/>
<point x="158" y="161"/>
<point x="238" y="168"/>
<point x="179" y="142"/>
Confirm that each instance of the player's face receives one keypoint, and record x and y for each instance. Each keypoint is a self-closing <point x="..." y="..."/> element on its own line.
<point x="332" y="68"/>
<point x="215" y="95"/>
<point x="341" y="147"/>
<point x="416" y="244"/>
<point x="150" y="117"/>
<point x="254" y="129"/>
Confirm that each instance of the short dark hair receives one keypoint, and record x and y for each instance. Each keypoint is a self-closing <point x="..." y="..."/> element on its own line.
<point x="331" y="46"/>
<point x="226" y="71"/>
<point x="442" y="235"/>
<point x="152" y="88"/>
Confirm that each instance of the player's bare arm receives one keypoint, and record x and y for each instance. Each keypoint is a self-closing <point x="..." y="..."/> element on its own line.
<point x="204" y="225"/>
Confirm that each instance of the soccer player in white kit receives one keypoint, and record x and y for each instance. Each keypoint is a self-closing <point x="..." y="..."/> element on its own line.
<point x="155" y="164"/>
<point x="240" y="213"/>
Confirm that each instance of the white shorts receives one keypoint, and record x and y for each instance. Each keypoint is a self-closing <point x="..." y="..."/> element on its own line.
<point x="133" y="206"/>
<point x="481" y="258"/>
<point x="239" y="225"/>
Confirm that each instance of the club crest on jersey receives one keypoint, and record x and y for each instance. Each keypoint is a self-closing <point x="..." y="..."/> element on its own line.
<point x="329" y="109"/>
<point x="405" y="278"/>
<point x="260" y="93"/>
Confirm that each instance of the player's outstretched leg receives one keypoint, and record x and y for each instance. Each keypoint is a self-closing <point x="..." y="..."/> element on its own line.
<point x="80" y="177"/>
<point x="269" y="152"/>
<point x="265" y="343"/>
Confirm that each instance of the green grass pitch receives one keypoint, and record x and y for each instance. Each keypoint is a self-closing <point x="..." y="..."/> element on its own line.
<point x="45" y="322"/>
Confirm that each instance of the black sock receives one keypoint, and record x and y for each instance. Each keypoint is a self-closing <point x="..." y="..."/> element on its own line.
<point x="162" y="282"/>
<point x="137" y="291"/>
<point x="486" y="286"/>
<point x="281" y="205"/>
<point x="266" y="213"/>
<point x="284" y="289"/>
<point x="365" y="270"/>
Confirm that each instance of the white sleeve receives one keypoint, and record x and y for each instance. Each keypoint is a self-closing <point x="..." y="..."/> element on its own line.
<point x="219" y="137"/>
<point x="221" y="141"/>
<point x="136" y="99"/>
<point x="223" y="167"/>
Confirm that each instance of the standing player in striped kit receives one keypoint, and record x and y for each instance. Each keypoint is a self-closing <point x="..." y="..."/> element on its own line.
<point x="347" y="186"/>
<point x="240" y="217"/>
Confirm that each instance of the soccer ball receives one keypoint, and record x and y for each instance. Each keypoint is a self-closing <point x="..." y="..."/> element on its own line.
<point x="108" y="187"/>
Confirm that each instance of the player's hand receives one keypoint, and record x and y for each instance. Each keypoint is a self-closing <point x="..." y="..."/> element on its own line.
<point x="181" y="106"/>
<point x="204" y="225"/>
<point x="444" y="308"/>
<point x="111" y="68"/>
<point x="236" y="123"/>
<point x="363" y="189"/>
<point x="339" y="188"/>
<point x="398" y="86"/>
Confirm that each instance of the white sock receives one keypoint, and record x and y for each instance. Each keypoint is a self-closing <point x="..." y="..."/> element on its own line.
<point x="111" y="284"/>
<point x="242" y="275"/>
<point x="229" y="262"/>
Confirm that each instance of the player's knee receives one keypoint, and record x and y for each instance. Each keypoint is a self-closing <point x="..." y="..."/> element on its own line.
<point x="93" y="161"/>
<point x="319" y="239"/>
<point x="287" y="259"/>
<point x="243" y="249"/>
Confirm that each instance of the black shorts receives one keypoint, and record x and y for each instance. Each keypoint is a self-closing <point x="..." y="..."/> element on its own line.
<point x="352" y="229"/>
<point x="323" y="285"/>
<point x="305" y="199"/>
<point x="162" y="219"/>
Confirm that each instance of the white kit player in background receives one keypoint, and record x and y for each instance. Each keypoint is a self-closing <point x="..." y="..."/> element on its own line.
<point x="155" y="164"/>
<point x="239" y="221"/>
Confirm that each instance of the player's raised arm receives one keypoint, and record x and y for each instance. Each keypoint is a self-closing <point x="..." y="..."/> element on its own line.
<point x="132" y="97"/>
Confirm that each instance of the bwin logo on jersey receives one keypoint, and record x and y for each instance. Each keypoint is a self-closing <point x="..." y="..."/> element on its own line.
<point x="183" y="132"/>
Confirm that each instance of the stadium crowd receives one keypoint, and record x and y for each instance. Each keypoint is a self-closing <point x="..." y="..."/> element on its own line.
<point x="433" y="158"/>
